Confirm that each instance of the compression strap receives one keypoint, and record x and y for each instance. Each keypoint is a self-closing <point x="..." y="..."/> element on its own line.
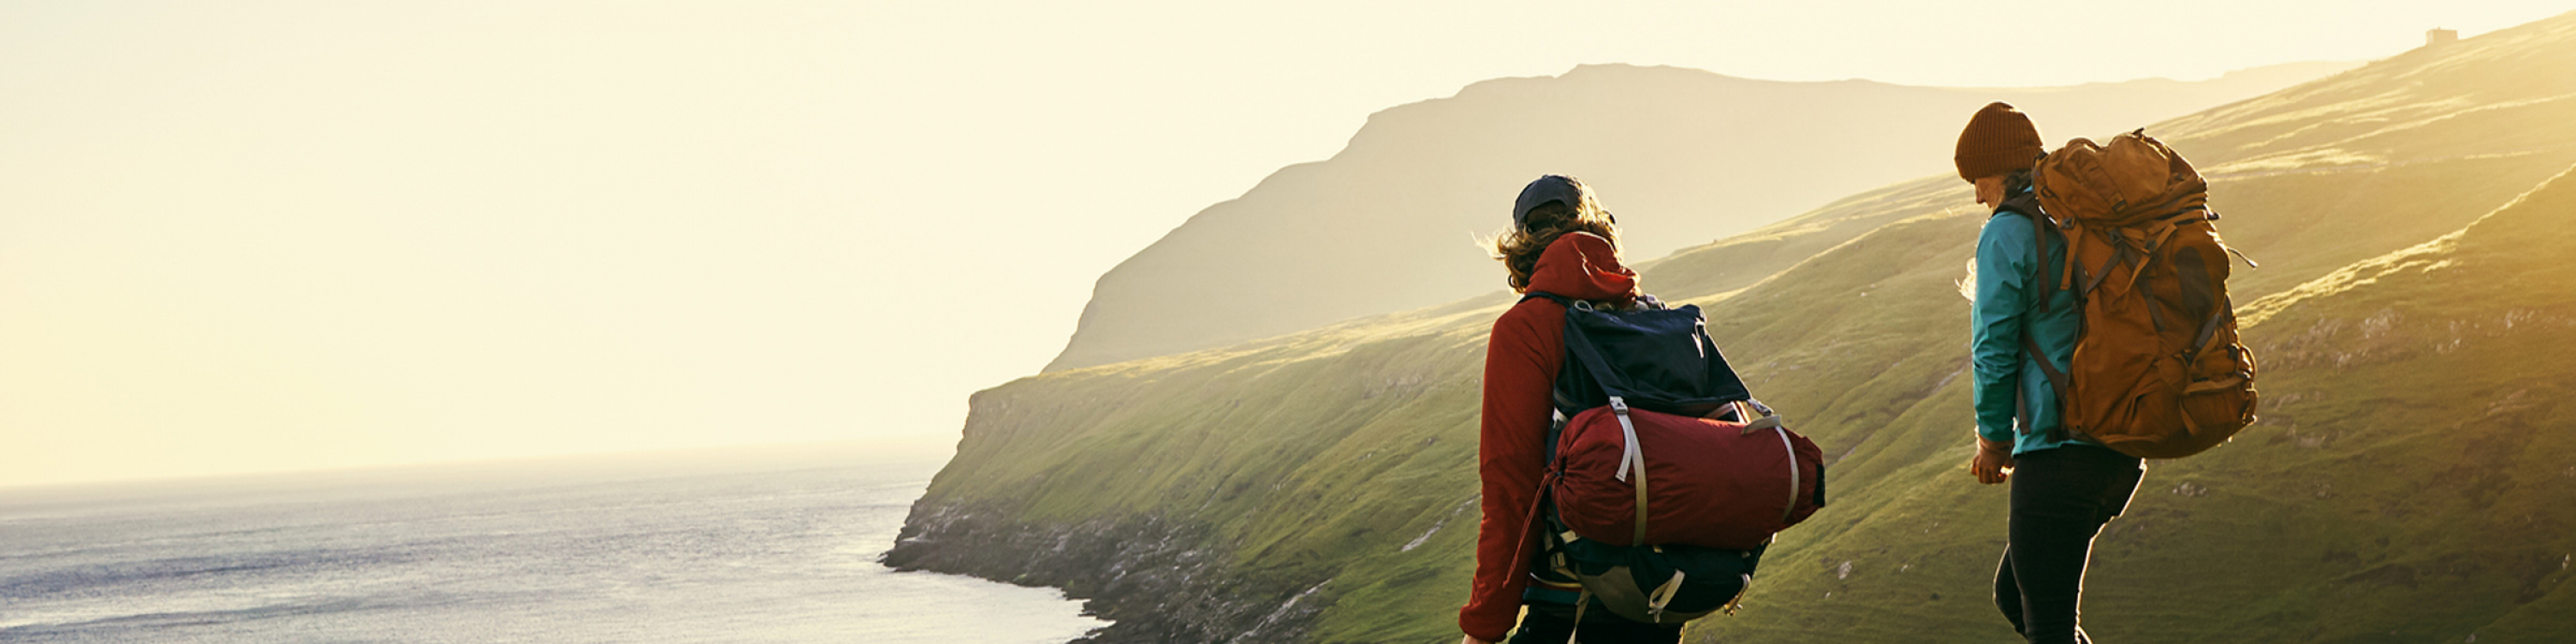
<point x="1631" y="459"/>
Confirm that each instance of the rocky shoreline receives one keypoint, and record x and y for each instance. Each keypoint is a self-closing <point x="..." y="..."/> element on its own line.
<point x="1158" y="581"/>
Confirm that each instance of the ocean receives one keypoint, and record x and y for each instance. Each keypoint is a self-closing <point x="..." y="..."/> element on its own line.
<point x="662" y="549"/>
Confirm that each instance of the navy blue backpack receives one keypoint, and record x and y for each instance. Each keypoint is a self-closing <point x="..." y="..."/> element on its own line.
<point x="1660" y="362"/>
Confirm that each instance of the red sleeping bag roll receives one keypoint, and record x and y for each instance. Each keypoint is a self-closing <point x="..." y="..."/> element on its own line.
<point x="1709" y="483"/>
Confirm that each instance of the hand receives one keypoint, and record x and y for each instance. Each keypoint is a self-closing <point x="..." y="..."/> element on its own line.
<point x="1994" y="461"/>
<point x="1471" y="639"/>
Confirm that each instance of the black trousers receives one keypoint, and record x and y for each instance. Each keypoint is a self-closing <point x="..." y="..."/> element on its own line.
<point x="1551" y="623"/>
<point x="2060" y="499"/>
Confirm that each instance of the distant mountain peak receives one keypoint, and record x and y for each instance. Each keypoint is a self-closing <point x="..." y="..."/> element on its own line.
<point x="1684" y="155"/>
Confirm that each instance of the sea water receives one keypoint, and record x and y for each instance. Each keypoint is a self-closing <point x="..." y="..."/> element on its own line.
<point x="783" y="550"/>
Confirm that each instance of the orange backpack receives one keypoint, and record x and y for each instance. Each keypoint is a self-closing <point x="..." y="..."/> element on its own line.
<point x="2158" y="369"/>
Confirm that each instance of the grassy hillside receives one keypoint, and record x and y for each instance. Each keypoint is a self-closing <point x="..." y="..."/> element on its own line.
<point x="2404" y="479"/>
<point x="2405" y="484"/>
<point x="1685" y="155"/>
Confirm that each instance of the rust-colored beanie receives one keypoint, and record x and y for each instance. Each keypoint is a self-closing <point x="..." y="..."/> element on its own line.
<point x="1999" y="140"/>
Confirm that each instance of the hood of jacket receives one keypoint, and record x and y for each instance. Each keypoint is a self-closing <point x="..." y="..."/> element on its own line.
<point x="1582" y="266"/>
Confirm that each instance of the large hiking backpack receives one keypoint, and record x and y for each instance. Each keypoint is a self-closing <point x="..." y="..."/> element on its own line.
<point x="2158" y="370"/>
<point x="1666" y="479"/>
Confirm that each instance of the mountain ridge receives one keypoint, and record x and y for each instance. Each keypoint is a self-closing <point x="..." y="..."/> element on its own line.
<point x="1318" y="486"/>
<point x="1688" y="154"/>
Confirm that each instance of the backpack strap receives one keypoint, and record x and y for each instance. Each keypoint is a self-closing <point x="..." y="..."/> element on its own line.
<point x="1580" y="344"/>
<point x="1583" y="601"/>
<point x="2119" y="253"/>
<point x="2058" y="385"/>
<point x="1538" y="516"/>
<point x="2226" y="313"/>
<point x="1616" y="387"/>
<point x="2027" y="205"/>
<point x="1631" y="459"/>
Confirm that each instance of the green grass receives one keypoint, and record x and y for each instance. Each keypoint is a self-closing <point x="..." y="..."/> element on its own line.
<point x="2413" y="477"/>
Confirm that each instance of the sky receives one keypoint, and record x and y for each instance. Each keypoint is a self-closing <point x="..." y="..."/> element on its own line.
<point x="244" y="237"/>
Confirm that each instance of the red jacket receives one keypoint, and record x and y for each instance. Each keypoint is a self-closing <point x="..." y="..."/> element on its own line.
<point x="1521" y="359"/>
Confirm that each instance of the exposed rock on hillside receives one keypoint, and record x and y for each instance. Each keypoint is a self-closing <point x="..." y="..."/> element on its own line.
<point x="1157" y="580"/>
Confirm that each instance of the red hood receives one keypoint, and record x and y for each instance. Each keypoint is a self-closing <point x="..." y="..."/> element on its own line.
<point x="1582" y="266"/>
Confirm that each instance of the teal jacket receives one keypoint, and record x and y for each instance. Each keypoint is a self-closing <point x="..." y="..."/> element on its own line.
<point x="2007" y="377"/>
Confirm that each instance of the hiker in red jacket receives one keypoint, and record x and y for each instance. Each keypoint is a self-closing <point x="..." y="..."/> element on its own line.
<point x="1561" y="242"/>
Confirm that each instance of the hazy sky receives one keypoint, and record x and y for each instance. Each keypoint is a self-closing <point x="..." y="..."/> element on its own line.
<point x="242" y="237"/>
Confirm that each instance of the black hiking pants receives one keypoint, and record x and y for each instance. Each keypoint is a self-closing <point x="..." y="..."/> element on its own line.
<point x="2060" y="499"/>
<point x="1551" y="623"/>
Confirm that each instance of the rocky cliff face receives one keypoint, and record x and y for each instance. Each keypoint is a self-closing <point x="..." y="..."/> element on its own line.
<point x="1159" y="580"/>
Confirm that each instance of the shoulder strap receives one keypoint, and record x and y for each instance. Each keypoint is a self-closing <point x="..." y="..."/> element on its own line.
<point x="1593" y="363"/>
<point x="2027" y="206"/>
<point x="2058" y="385"/>
<point x="1580" y="347"/>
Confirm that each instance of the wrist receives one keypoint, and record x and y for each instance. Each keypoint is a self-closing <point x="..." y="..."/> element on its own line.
<point x="1993" y="446"/>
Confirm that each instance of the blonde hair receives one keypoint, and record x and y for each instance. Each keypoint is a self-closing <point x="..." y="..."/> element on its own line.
<point x="1519" y="249"/>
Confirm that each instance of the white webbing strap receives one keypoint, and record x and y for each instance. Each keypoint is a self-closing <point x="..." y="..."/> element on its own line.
<point x="1738" y="601"/>
<point x="1628" y="456"/>
<point x="1631" y="456"/>
<point x="1581" y="601"/>
<point x="1663" y="595"/>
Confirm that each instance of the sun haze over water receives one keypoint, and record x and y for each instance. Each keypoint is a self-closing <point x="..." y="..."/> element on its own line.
<point x="266" y="236"/>
<point x="733" y="545"/>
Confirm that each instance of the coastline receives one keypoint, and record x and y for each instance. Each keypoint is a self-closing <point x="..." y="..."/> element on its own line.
<point x="782" y="552"/>
<point x="1153" y="579"/>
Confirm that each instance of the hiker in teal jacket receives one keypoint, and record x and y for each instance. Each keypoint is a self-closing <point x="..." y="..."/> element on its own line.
<point x="2010" y="282"/>
<point x="2064" y="488"/>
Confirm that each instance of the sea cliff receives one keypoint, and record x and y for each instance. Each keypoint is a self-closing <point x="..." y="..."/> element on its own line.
<point x="2414" y="317"/>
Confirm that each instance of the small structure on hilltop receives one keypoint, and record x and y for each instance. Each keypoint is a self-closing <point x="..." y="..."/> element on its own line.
<point x="2437" y="37"/>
